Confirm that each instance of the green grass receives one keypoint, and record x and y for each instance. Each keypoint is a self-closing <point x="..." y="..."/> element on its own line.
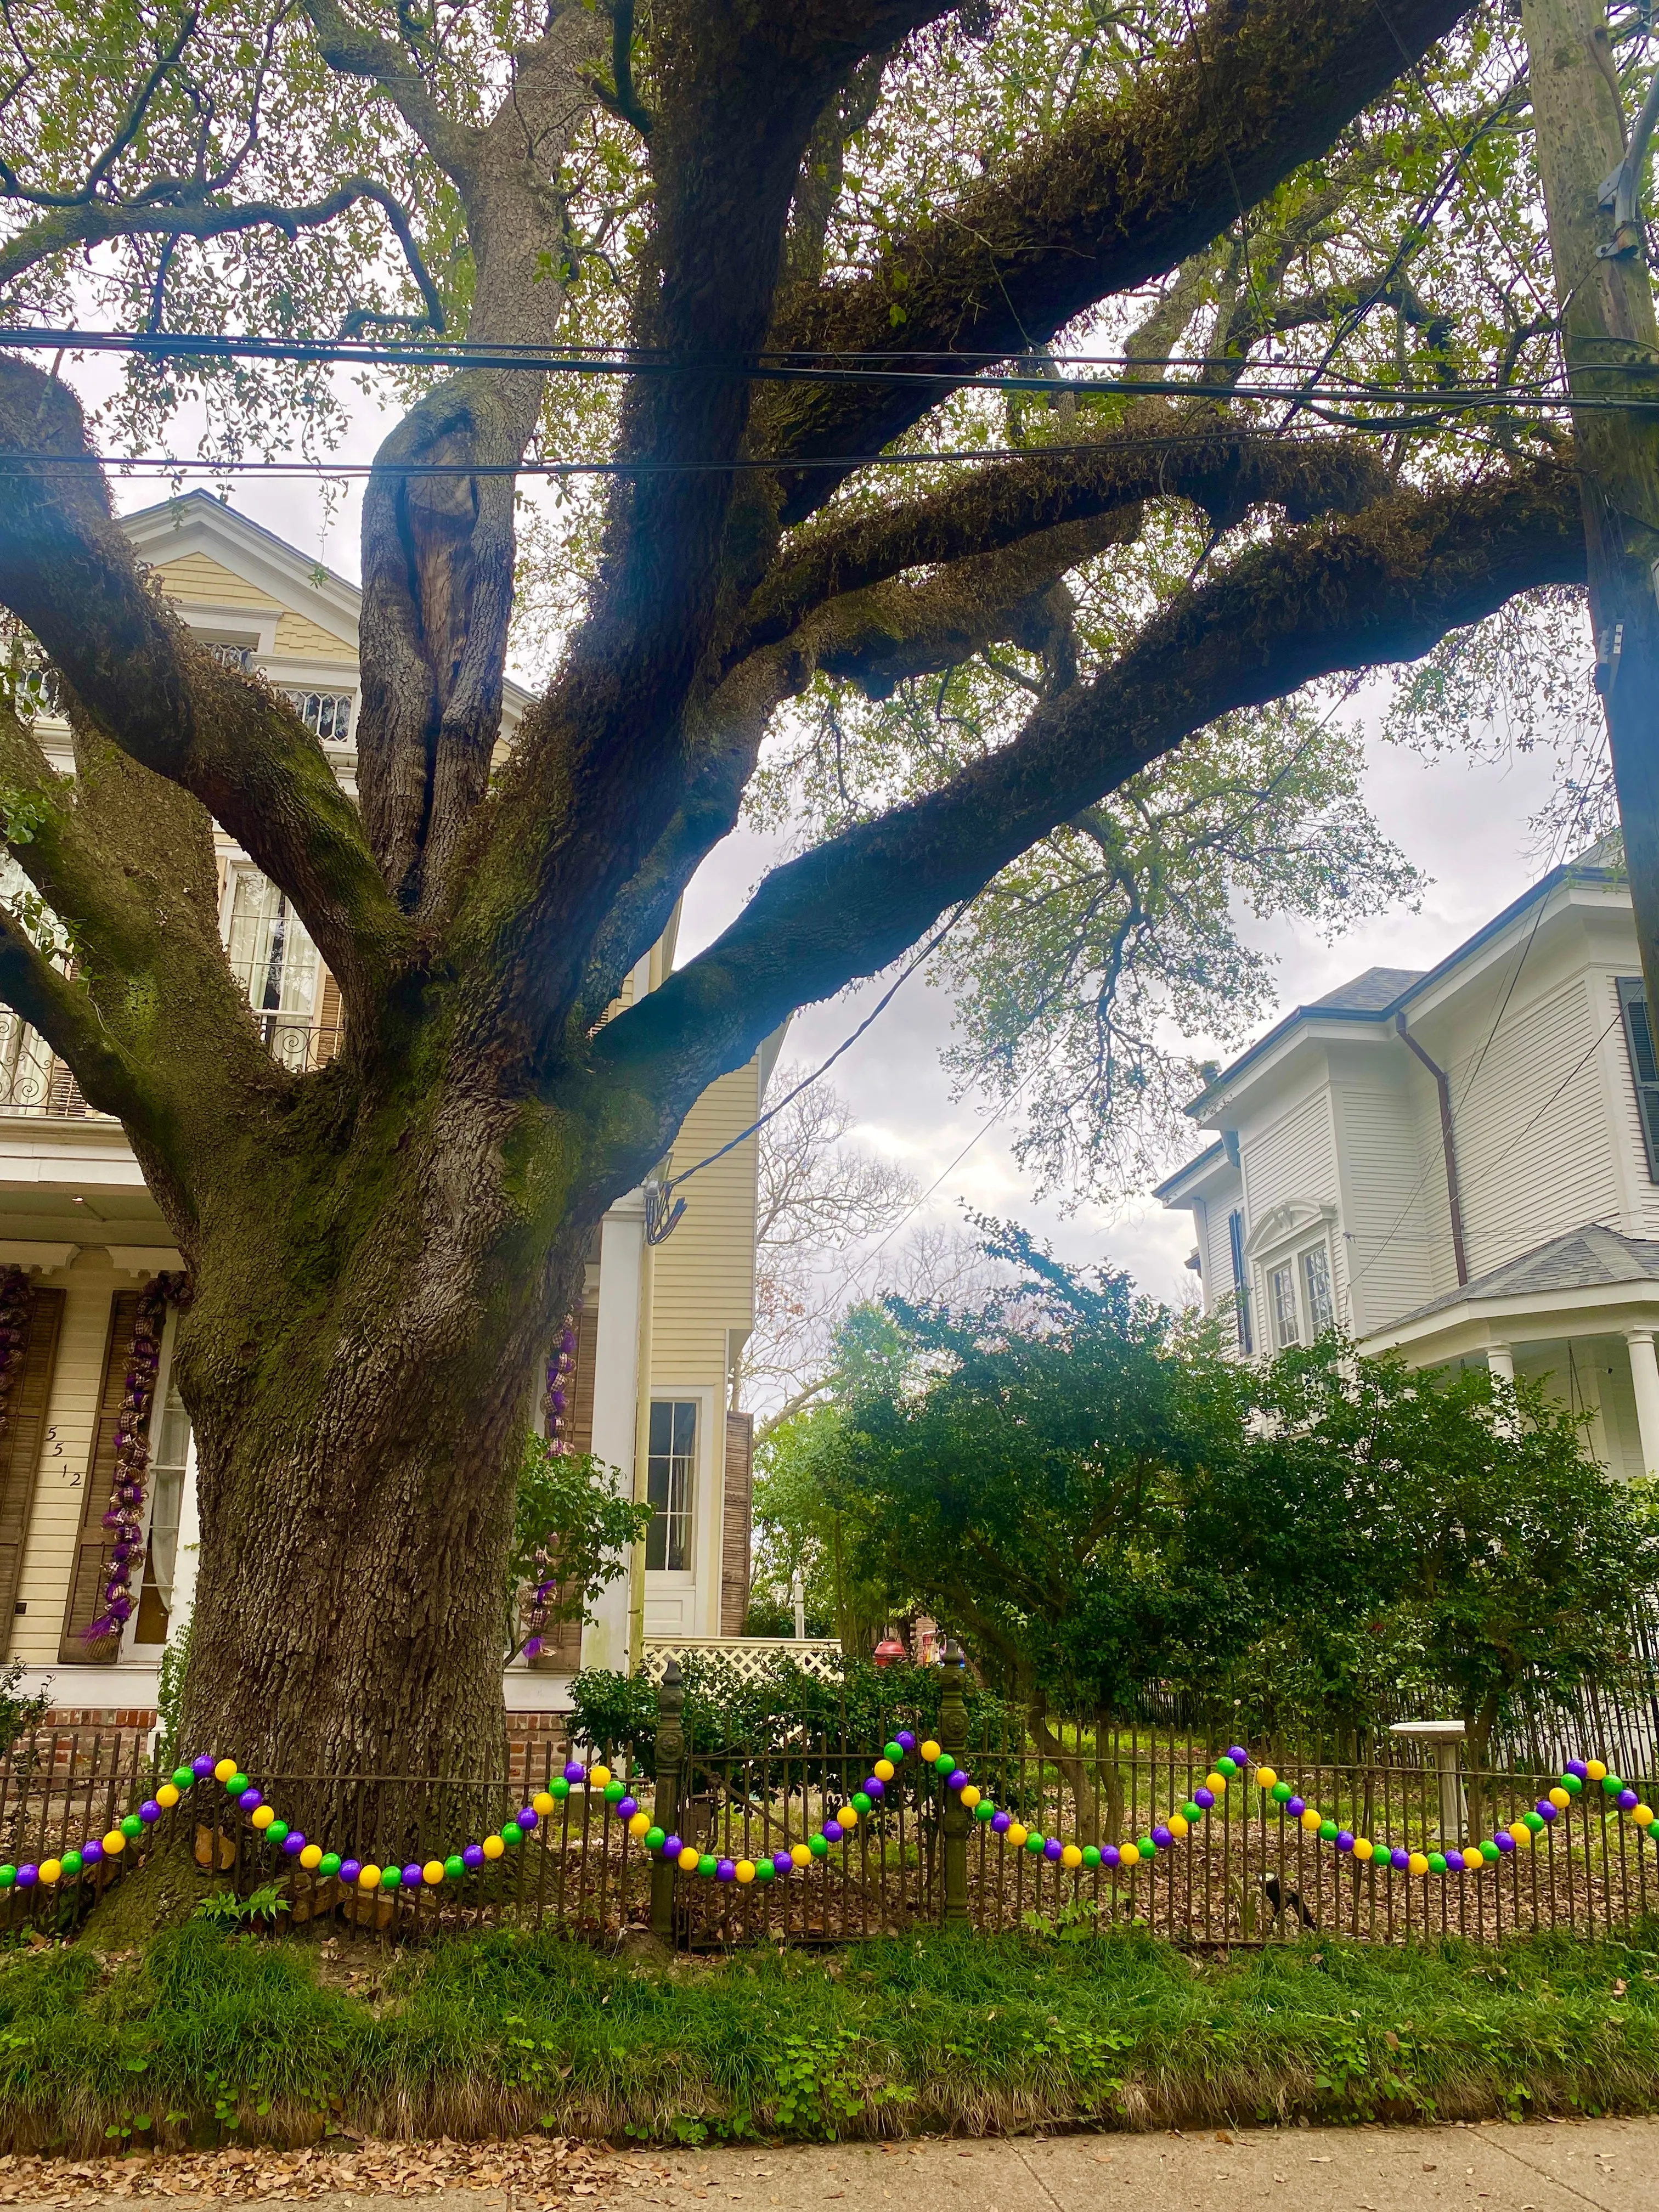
<point x="204" y="2034"/>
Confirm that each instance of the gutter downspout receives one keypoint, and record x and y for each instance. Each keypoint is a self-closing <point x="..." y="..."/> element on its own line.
<point x="1444" y="1090"/>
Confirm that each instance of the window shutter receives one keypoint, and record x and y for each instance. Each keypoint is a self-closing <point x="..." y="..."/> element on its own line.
<point x="25" y="1434"/>
<point x="90" y="1568"/>
<point x="330" y="1021"/>
<point x="1643" y="1064"/>
<point x="736" y="1527"/>
<point x="1241" y="1284"/>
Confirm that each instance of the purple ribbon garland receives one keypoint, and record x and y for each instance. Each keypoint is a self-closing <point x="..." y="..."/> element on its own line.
<point x="125" y="1516"/>
<point x="16" y="1298"/>
<point x="555" y="1405"/>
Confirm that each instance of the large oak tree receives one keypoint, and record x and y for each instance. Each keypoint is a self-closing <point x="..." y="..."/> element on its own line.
<point x="380" y="1248"/>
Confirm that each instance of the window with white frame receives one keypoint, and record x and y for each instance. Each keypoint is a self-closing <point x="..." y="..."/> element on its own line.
<point x="276" y="963"/>
<point x="1316" y="1288"/>
<point x="169" y="1464"/>
<point x="1281" y="1304"/>
<point x="328" y="713"/>
<point x="670" y="1484"/>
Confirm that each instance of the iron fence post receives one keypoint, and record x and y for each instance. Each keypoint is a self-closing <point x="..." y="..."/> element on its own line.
<point x="955" y="1822"/>
<point x="671" y="1755"/>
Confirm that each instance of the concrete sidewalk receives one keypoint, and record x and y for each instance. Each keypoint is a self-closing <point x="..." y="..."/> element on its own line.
<point x="1613" y="2164"/>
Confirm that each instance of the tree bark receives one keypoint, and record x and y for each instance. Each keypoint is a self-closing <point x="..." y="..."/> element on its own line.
<point x="1611" y="346"/>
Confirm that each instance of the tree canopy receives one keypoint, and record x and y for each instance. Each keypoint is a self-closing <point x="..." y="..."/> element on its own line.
<point x="807" y="235"/>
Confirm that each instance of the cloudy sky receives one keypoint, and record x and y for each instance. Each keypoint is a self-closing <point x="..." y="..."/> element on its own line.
<point x="1466" y="826"/>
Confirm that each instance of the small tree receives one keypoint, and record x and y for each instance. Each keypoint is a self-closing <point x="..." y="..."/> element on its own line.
<point x="572" y="1530"/>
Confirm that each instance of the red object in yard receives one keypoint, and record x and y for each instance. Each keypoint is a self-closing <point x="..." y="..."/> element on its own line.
<point x="887" y="1650"/>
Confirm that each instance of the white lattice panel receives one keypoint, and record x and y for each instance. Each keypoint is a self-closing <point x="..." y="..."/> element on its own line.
<point x="747" y="1656"/>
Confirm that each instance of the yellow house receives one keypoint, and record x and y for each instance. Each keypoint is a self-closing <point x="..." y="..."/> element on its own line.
<point x="80" y="1228"/>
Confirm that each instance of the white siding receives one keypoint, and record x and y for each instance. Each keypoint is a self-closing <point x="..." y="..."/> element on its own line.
<point x="1394" y="1200"/>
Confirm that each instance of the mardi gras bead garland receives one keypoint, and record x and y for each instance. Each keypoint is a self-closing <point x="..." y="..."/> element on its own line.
<point x="15" y="1300"/>
<point x="125" y="1516"/>
<point x="457" y="1865"/>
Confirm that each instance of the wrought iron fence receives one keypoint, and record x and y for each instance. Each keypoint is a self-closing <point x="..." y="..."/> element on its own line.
<point x="1255" y="1869"/>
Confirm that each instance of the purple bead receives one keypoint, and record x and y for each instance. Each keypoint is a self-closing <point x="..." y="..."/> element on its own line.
<point x="92" y="1851"/>
<point x="1578" y="1766"/>
<point x="626" y="1808"/>
<point x="412" y="1875"/>
<point x="1052" y="1848"/>
<point x="1296" y="1806"/>
<point x="473" y="1855"/>
<point x="1002" y="1822"/>
<point x="1505" y="1841"/>
<point x="1162" y="1836"/>
<point x="958" y="1779"/>
<point x="1109" y="1855"/>
<point x="575" y="1773"/>
<point x="149" y="1811"/>
<point x="201" y="1767"/>
<point x="1400" y="1859"/>
<point x="833" y="1832"/>
<point x="726" y="1870"/>
<point x="294" y="1843"/>
<point x="1204" y="1797"/>
<point x="1345" y="1839"/>
<point x="526" y="1816"/>
<point x="27" y="1875"/>
<point x="905" y="1740"/>
<point x="1237" y="1753"/>
<point x="672" y="1847"/>
<point x="1544" y="1810"/>
<point x="532" y="1650"/>
<point x="350" y="1868"/>
<point x="783" y="1862"/>
<point x="874" y="1786"/>
<point x="1628" y="1801"/>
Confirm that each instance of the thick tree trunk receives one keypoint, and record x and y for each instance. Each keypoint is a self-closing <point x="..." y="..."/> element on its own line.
<point x="359" y="1363"/>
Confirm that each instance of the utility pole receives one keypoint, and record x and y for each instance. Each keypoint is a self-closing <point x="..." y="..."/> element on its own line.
<point x="1611" y="349"/>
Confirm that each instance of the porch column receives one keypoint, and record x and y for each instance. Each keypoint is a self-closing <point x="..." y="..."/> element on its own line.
<point x="1645" y="1377"/>
<point x="1500" y="1361"/>
<point x="615" y="1395"/>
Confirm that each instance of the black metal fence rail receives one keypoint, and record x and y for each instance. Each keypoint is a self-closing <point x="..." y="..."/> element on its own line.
<point x="1250" y="1872"/>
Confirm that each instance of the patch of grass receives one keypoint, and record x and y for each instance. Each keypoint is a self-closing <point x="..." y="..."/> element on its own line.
<point x="206" y="2033"/>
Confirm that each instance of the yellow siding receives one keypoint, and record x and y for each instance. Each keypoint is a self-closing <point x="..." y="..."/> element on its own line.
<point x="196" y="576"/>
<point x="305" y="640"/>
<point x="705" y="1273"/>
<point x="59" y="1486"/>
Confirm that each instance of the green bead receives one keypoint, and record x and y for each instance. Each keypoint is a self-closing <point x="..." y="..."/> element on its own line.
<point x="1033" y="1844"/>
<point x="1489" y="1850"/>
<point x="275" y="1832"/>
<point x="329" y="1863"/>
<point x="615" y="1791"/>
<point x="1436" y="1863"/>
<point x="946" y="1762"/>
<point x="1572" y="1784"/>
<point x="237" y="1784"/>
<point x="1227" y="1766"/>
<point x="765" y="1871"/>
<point x="512" y="1832"/>
<point x="7" y="1876"/>
<point x="182" y="1777"/>
<point x="1328" y="1832"/>
<point x="1191" y="1811"/>
<point x="1147" y="1848"/>
<point x="1380" y="1853"/>
<point x="655" y="1838"/>
<point x="390" y="1877"/>
<point x="1282" y="1793"/>
<point x="707" y="1864"/>
<point x="132" y="1827"/>
<point x="1091" y="1855"/>
<point x="73" y="1862"/>
<point x="560" y="1788"/>
<point x="862" y="1800"/>
<point x="819" y="1846"/>
<point x="985" y="1810"/>
<point x="895" y="1752"/>
<point x="1532" y="1820"/>
<point x="1611" y="1785"/>
<point x="454" y="1867"/>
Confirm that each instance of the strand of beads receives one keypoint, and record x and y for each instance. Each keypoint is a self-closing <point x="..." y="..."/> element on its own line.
<point x="1517" y="1836"/>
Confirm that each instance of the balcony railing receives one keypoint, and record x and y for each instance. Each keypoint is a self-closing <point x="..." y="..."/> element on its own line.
<point x="39" y="1085"/>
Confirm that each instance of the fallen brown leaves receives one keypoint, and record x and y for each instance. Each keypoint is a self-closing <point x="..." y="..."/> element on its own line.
<point x="535" y="2171"/>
